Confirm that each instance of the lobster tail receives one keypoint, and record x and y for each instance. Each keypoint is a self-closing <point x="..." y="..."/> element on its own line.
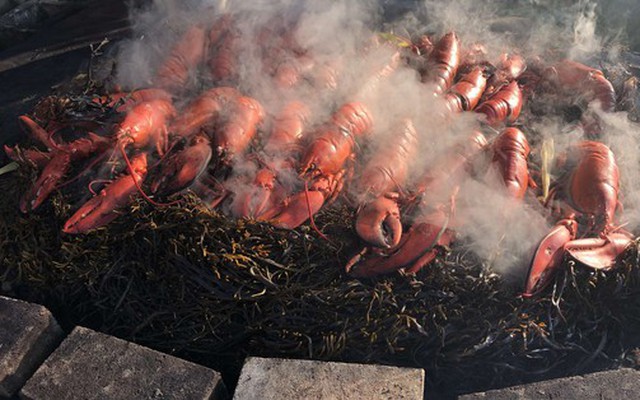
<point x="446" y="60"/>
<point x="503" y="106"/>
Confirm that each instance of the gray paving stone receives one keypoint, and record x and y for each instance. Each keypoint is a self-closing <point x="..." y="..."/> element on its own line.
<point x="91" y="365"/>
<point x="28" y="334"/>
<point x="608" y="385"/>
<point x="274" y="378"/>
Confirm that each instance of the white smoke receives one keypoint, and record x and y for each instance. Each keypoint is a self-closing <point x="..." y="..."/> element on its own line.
<point x="336" y="33"/>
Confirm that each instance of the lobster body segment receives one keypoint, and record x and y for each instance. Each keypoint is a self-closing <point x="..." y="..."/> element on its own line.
<point x="505" y="105"/>
<point x="593" y="184"/>
<point x="510" y="152"/>
<point x="466" y="93"/>
<point x="445" y="58"/>
<point x="260" y="199"/>
<point x="334" y="145"/>
<point x="146" y="123"/>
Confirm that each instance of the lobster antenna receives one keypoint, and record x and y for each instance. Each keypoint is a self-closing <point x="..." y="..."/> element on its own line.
<point x="311" y="220"/>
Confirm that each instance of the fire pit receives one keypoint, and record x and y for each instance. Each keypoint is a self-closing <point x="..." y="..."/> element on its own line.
<point x="186" y="277"/>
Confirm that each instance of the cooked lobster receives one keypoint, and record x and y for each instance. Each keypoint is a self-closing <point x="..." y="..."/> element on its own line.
<point x="185" y="56"/>
<point x="431" y="230"/>
<point x="378" y="216"/>
<point x="510" y="151"/>
<point x="323" y="165"/>
<point x="579" y="83"/>
<point x="104" y="207"/>
<point x="503" y="106"/>
<point x="281" y="152"/>
<point x="466" y="93"/>
<point x="445" y="60"/>
<point x="589" y="189"/>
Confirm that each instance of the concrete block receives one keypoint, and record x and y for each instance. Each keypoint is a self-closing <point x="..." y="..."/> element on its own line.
<point x="28" y="334"/>
<point x="276" y="379"/>
<point x="607" y="385"/>
<point x="91" y="365"/>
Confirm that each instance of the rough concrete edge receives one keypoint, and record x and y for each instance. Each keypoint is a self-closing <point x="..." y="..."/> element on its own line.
<point x="46" y="343"/>
<point x="217" y="392"/>
<point x="519" y="390"/>
<point x="248" y="359"/>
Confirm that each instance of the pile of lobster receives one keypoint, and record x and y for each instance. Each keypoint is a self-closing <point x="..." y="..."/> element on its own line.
<point x="160" y="142"/>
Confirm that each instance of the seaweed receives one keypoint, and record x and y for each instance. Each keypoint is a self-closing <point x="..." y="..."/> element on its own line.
<point x="191" y="282"/>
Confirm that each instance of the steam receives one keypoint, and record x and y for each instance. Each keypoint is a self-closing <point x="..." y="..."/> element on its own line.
<point x="338" y="34"/>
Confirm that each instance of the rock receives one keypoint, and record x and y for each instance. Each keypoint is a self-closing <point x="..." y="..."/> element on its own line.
<point x="89" y="364"/>
<point x="28" y="334"/>
<point x="273" y="378"/>
<point x="608" y="385"/>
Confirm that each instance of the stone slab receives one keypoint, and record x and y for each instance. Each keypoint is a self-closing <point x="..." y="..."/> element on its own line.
<point x="274" y="378"/>
<point x="28" y="334"/>
<point x="91" y="365"/>
<point x="607" y="385"/>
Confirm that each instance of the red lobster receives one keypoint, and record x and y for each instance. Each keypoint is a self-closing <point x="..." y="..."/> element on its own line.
<point x="229" y="121"/>
<point x="431" y="230"/>
<point x="55" y="163"/>
<point x="510" y="152"/>
<point x="571" y="77"/>
<point x="323" y="165"/>
<point x="378" y="218"/>
<point x="102" y="208"/>
<point x="445" y="59"/>
<point x="466" y="93"/>
<point x="145" y="124"/>
<point x="224" y="44"/>
<point x="589" y="188"/>
<point x="280" y="154"/>
<point x="184" y="58"/>
<point x="509" y="68"/>
<point x="505" y="105"/>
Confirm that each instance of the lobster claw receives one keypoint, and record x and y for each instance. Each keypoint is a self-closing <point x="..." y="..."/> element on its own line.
<point x="102" y="208"/>
<point x="36" y="131"/>
<point x="298" y="209"/>
<point x="548" y="256"/>
<point x="417" y="248"/>
<point x="599" y="253"/>
<point x="378" y="222"/>
<point x="36" y="157"/>
<point x="183" y="168"/>
<point x="254" y="200"/>
<point x="46" y="183"/>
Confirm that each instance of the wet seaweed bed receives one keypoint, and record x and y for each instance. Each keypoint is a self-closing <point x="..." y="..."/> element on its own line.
<point x="190" y="282"/>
